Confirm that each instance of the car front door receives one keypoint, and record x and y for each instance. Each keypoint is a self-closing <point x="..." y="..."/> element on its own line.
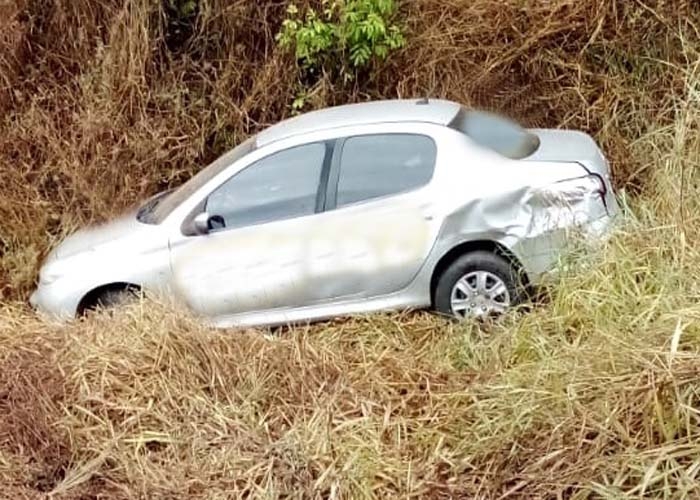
<point x="256" y="256"/>
<point x="380" y="221"/>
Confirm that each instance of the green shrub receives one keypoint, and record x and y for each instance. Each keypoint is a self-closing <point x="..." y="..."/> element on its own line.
<point x="344" y="36"/>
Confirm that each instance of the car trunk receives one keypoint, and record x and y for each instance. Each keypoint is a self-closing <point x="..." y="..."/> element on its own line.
<point x="575" y="147"/>
<point x="569" y="146"/>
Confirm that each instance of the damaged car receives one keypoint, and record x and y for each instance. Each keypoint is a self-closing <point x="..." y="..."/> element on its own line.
<point x="386" y="205"/>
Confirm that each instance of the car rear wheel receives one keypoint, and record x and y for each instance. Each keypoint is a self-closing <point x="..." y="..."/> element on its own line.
<point x="479" y="285"/>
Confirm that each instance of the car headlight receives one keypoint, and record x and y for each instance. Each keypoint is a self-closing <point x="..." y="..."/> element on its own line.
<point x="55" y="268"/>
<point x="49" y="276"/>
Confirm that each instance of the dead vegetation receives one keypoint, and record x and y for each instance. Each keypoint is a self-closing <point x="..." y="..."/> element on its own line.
<point x="592" y="395"/>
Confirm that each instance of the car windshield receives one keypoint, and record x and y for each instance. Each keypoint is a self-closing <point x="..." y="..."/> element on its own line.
<point x="496" y="133"/>
<point x="157" y="208"/>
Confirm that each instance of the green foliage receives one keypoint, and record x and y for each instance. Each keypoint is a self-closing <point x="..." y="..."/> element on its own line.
<point x="344" y="36"/>
<point x="183" y="8"/>
<point x="181" y="16"/>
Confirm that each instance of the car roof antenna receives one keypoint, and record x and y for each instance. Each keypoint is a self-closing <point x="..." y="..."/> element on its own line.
<point x="423" y="101"/>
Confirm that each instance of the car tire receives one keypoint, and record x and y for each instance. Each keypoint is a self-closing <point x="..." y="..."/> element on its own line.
<point x="501" y="286"/>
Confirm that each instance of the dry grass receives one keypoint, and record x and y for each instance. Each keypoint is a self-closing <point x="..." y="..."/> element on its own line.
<point x="592" y="395"/>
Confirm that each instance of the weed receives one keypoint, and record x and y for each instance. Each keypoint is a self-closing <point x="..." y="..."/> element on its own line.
<point x="592" y="394"/>
<point x="345" y="36"/>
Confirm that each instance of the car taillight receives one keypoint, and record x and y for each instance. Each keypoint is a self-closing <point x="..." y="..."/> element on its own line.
<point x="603" y="186"/>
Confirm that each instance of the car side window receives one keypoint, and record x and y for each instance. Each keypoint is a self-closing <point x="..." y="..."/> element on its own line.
<point x="373" y="166"/>
<point x="281" y="186"/>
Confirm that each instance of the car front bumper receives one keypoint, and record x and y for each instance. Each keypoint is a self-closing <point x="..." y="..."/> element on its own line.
<point x="52" y="301"/>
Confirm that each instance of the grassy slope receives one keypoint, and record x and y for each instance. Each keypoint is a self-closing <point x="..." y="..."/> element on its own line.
<point x="593" y="394"/>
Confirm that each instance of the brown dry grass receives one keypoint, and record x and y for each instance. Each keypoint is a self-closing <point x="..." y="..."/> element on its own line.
<point x="594" y="394"/>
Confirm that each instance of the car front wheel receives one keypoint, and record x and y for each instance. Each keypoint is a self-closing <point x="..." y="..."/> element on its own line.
<point x="109" y="298"/>
<point x="479" y="285"/>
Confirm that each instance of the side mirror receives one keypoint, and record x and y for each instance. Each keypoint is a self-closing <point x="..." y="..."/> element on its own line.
<point x="201" y="223"/>
<point x="204" y="223"/>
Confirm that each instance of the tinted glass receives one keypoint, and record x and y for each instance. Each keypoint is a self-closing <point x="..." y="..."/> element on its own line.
<point x="496" y="133"/>
<point x="281" y="186"/>
<point x="379" y="165"/>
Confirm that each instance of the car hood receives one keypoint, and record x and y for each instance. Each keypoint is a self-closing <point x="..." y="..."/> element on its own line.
<point x="122" y="232"/>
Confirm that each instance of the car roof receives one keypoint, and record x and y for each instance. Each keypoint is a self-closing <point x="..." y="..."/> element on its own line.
<point x="435" y="111"/>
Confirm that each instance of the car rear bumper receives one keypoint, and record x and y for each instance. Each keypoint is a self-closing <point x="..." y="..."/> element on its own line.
<point x="543" y="255"/>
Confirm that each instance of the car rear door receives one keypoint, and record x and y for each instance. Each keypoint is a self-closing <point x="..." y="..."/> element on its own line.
<point x="381" y="218"/>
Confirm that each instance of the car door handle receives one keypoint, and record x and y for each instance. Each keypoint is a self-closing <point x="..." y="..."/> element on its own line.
<point x="427" y="211"/>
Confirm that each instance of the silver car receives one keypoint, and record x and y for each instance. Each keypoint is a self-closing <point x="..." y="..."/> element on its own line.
<point x="354" y="209"/>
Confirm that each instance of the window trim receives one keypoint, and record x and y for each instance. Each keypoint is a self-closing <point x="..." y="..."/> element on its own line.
<point x="334" y="178"/>
<point x="187" y="229"/>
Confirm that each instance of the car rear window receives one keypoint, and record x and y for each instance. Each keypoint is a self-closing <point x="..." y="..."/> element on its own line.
<point x="374" y="166"/>
<point x="496" y="133"/>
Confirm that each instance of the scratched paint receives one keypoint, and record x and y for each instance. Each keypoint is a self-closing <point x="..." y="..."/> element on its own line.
<point x="291" y="263"/>
<point x="532" y="223"/>
<point x="363" y="253"/>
